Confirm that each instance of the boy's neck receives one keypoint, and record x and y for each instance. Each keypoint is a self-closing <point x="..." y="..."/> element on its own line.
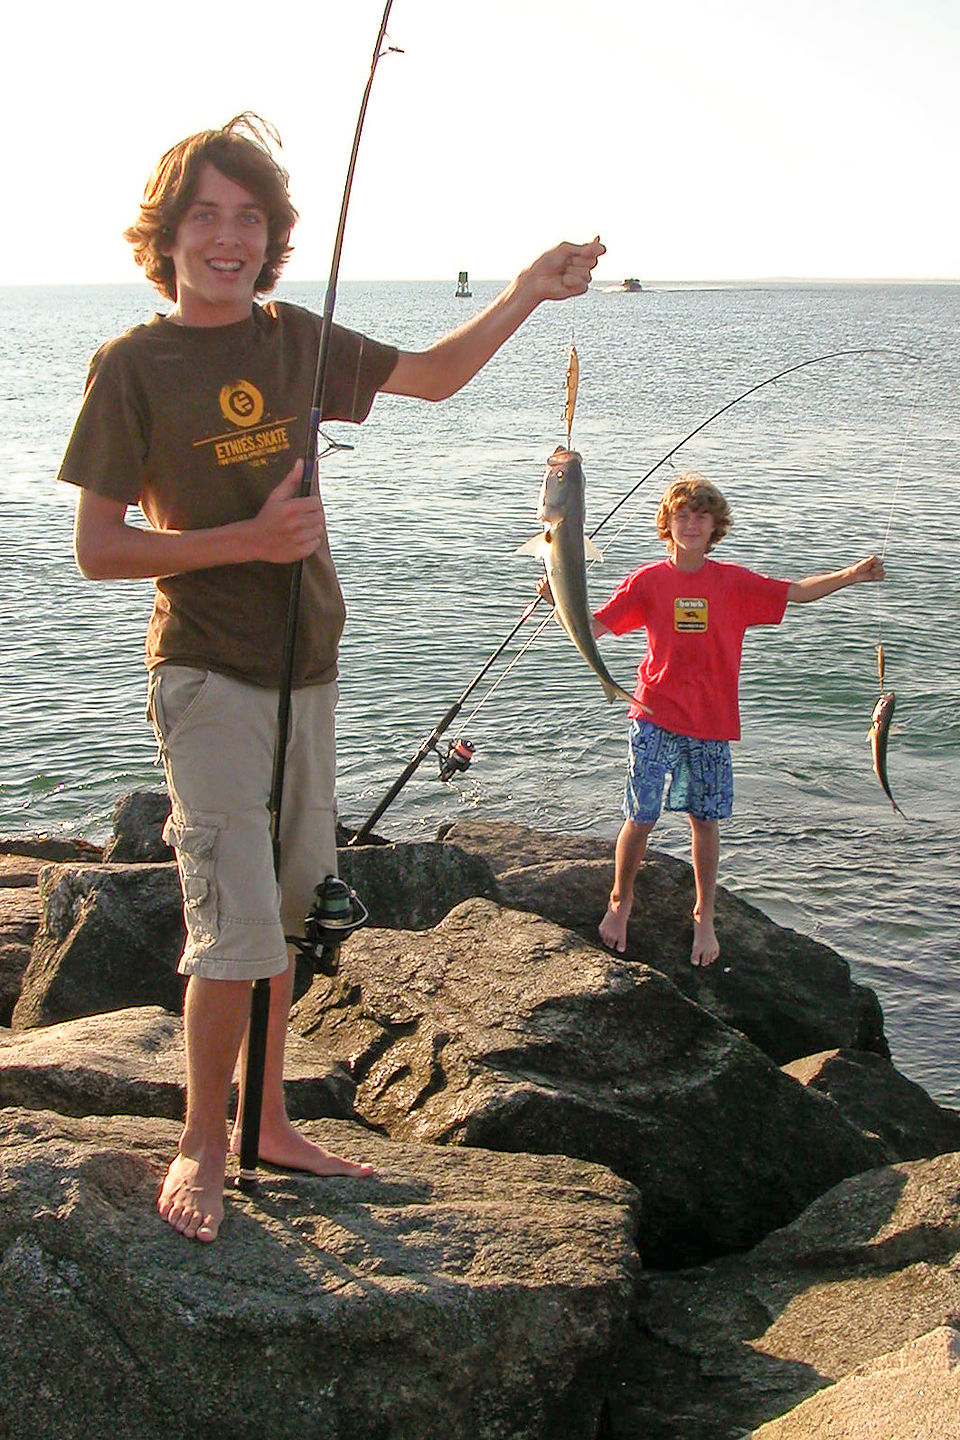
<point x="688" y="561"/>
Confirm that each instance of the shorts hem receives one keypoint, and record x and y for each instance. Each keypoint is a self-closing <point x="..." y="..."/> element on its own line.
<point x="207" y="967"/>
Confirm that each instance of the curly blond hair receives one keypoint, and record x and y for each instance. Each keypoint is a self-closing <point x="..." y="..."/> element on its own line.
<point x="240" y="150"/>
<point x="700" y="494"/>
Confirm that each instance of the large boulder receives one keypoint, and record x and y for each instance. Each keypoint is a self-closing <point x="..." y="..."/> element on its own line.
<point x="138" y="821"/>
<point x="915" y="1392"/>
<point x="111" y="934"/>
<point x="110" y="937"/>
<point x="881" y="1102"/>
<point x="790" y="995"/>
<point x="411" y="886"/>
<point x="869" y="1268"/>
<point x="131" y="1062"/>
<point x="455" y="1296"/>
<point x="499" y="1029"/>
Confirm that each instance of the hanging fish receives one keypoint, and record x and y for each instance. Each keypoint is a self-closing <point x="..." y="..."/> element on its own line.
<point x="880" y="732"/>
<point x="563" y="548"/>
<point x="573" y="382"/>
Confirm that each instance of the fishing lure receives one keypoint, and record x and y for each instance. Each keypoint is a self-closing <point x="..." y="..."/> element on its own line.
<point x="573" y="384"/>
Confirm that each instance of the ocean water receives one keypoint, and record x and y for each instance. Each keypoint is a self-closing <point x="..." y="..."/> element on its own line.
<point x="855" y="455"/>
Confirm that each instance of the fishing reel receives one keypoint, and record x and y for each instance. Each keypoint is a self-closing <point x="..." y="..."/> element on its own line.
<point x="457" y="759"/>
<point x="335" y="913"/>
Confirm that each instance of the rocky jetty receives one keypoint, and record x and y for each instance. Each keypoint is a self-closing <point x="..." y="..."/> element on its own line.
<point x="615" y="1196"/>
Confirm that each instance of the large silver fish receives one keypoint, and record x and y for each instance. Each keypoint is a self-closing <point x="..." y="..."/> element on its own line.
<point x="878" y="737"/>
<point x="563" y="548"/>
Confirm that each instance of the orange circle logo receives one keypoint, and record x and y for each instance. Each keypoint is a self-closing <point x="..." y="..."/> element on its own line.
<point x="241" y="403"/>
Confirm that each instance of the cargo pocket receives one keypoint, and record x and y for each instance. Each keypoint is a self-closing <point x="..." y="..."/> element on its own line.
<point x="194" y="838"/>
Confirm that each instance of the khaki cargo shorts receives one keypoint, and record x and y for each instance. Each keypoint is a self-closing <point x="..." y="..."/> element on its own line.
<point x="216" y="738"/>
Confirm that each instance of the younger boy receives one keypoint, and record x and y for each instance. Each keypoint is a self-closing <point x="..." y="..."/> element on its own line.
<point x="199" y="417"/>
<point x="685" y="712"/>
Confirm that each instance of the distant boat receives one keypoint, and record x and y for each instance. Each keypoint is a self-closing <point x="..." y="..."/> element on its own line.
<point x="463" y="286"/>
<point x="630" y="286"/>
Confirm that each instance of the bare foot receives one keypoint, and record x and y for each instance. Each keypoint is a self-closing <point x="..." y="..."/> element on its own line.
<point x="706" y="948"/>
<point x="613" y="926"/>
<point x="191" y="1197"/>
<point x="287" y="1149"/>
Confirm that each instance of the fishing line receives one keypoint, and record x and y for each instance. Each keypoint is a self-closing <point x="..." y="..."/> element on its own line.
<point x="893" y="503"/>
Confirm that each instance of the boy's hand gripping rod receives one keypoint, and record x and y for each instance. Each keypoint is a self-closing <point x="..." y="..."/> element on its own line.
<point x="260" y="1004"/>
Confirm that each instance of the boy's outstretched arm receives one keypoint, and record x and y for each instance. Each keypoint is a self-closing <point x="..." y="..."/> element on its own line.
<point x="814" y="587"/>
<point x="445" y="368"/>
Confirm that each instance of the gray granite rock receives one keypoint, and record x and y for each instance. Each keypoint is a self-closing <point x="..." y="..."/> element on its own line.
<point x="110" y="937"/>
<point x="790" y="995"/>
<point x="502" y="1030"/>
<point x="881" y="1102"/>
<point x="913" y="1394"/>
<point x="871" y="1266"/>
<point x="456" y="1296"/>
<point x="131" y="1062"/>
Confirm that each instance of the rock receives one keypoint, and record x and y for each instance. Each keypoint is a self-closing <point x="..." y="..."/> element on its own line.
<point x="506" y="845"/>
<point x="914" y="1392"/>
<point x="868" y="1268"/>
<point x="110" y="937"/>
<point x="131" y="1062"/>
<point x="456" y="1296"/>
<point x="19" y="919"/>
<point x="138" y="821"/>
<point x="412" y="886"/>
<point x="881" y="1102"/>
<point x="499" y="1029"/>
<point x="790" y="995"/>
<point x="44" y="847"/>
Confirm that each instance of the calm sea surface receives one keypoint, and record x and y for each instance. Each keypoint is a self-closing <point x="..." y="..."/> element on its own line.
<point x="836" y="461"/>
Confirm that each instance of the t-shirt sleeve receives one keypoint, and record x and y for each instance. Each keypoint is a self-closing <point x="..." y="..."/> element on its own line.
<point x="762" y="599"/>
<point x="356" y="369"/>
<point x="625" y="609"/>
<point x="107" y="450"/>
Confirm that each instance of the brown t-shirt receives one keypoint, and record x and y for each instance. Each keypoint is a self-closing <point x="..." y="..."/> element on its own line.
<point x="197" y="426"/>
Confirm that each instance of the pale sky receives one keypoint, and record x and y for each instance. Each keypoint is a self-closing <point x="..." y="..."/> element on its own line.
<point x="702" y="139"/>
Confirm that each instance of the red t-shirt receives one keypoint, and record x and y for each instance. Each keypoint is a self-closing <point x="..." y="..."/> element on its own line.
<point x="695" y="623"/>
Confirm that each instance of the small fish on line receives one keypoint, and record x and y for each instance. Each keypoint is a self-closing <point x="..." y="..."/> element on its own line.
<point x="563" y="548"/>
<point x="878" y="737"/>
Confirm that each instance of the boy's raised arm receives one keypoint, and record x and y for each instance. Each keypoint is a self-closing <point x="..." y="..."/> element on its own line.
<point x="445" y="368"/>
<point x="814" y="587"/>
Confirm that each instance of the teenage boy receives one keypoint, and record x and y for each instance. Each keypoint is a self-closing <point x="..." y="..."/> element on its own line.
<point x="198" y="417"/>
<point x="685" y="709"/>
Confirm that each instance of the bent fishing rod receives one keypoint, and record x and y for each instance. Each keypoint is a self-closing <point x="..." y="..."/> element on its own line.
<point x="260" y="1002"/>
<point x="431" y="742"/>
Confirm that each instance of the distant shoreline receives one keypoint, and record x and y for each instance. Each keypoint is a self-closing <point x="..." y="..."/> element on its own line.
<point x="772" y="282"/>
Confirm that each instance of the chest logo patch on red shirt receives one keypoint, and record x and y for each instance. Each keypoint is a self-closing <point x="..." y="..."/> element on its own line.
<point x="689" y="614"/>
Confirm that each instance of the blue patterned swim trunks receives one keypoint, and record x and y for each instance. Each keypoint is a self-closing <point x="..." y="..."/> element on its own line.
<point x="673" y="772"/>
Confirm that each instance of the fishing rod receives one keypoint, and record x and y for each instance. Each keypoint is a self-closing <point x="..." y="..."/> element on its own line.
<point x="430" y="743"/>
<point x="260" y="1002"/>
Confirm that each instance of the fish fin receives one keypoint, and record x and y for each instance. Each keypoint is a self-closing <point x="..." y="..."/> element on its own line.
<point x="536" y="545"/>
<point x="614" y="692"/>
<point x="592" y="551"/>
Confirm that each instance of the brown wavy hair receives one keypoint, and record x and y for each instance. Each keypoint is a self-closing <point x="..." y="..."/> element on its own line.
<point x="693" y="490"/>
<point x="240" y="151"/>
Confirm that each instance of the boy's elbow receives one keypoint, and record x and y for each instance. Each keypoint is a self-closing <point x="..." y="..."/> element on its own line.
<point x="91" y="559"/>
